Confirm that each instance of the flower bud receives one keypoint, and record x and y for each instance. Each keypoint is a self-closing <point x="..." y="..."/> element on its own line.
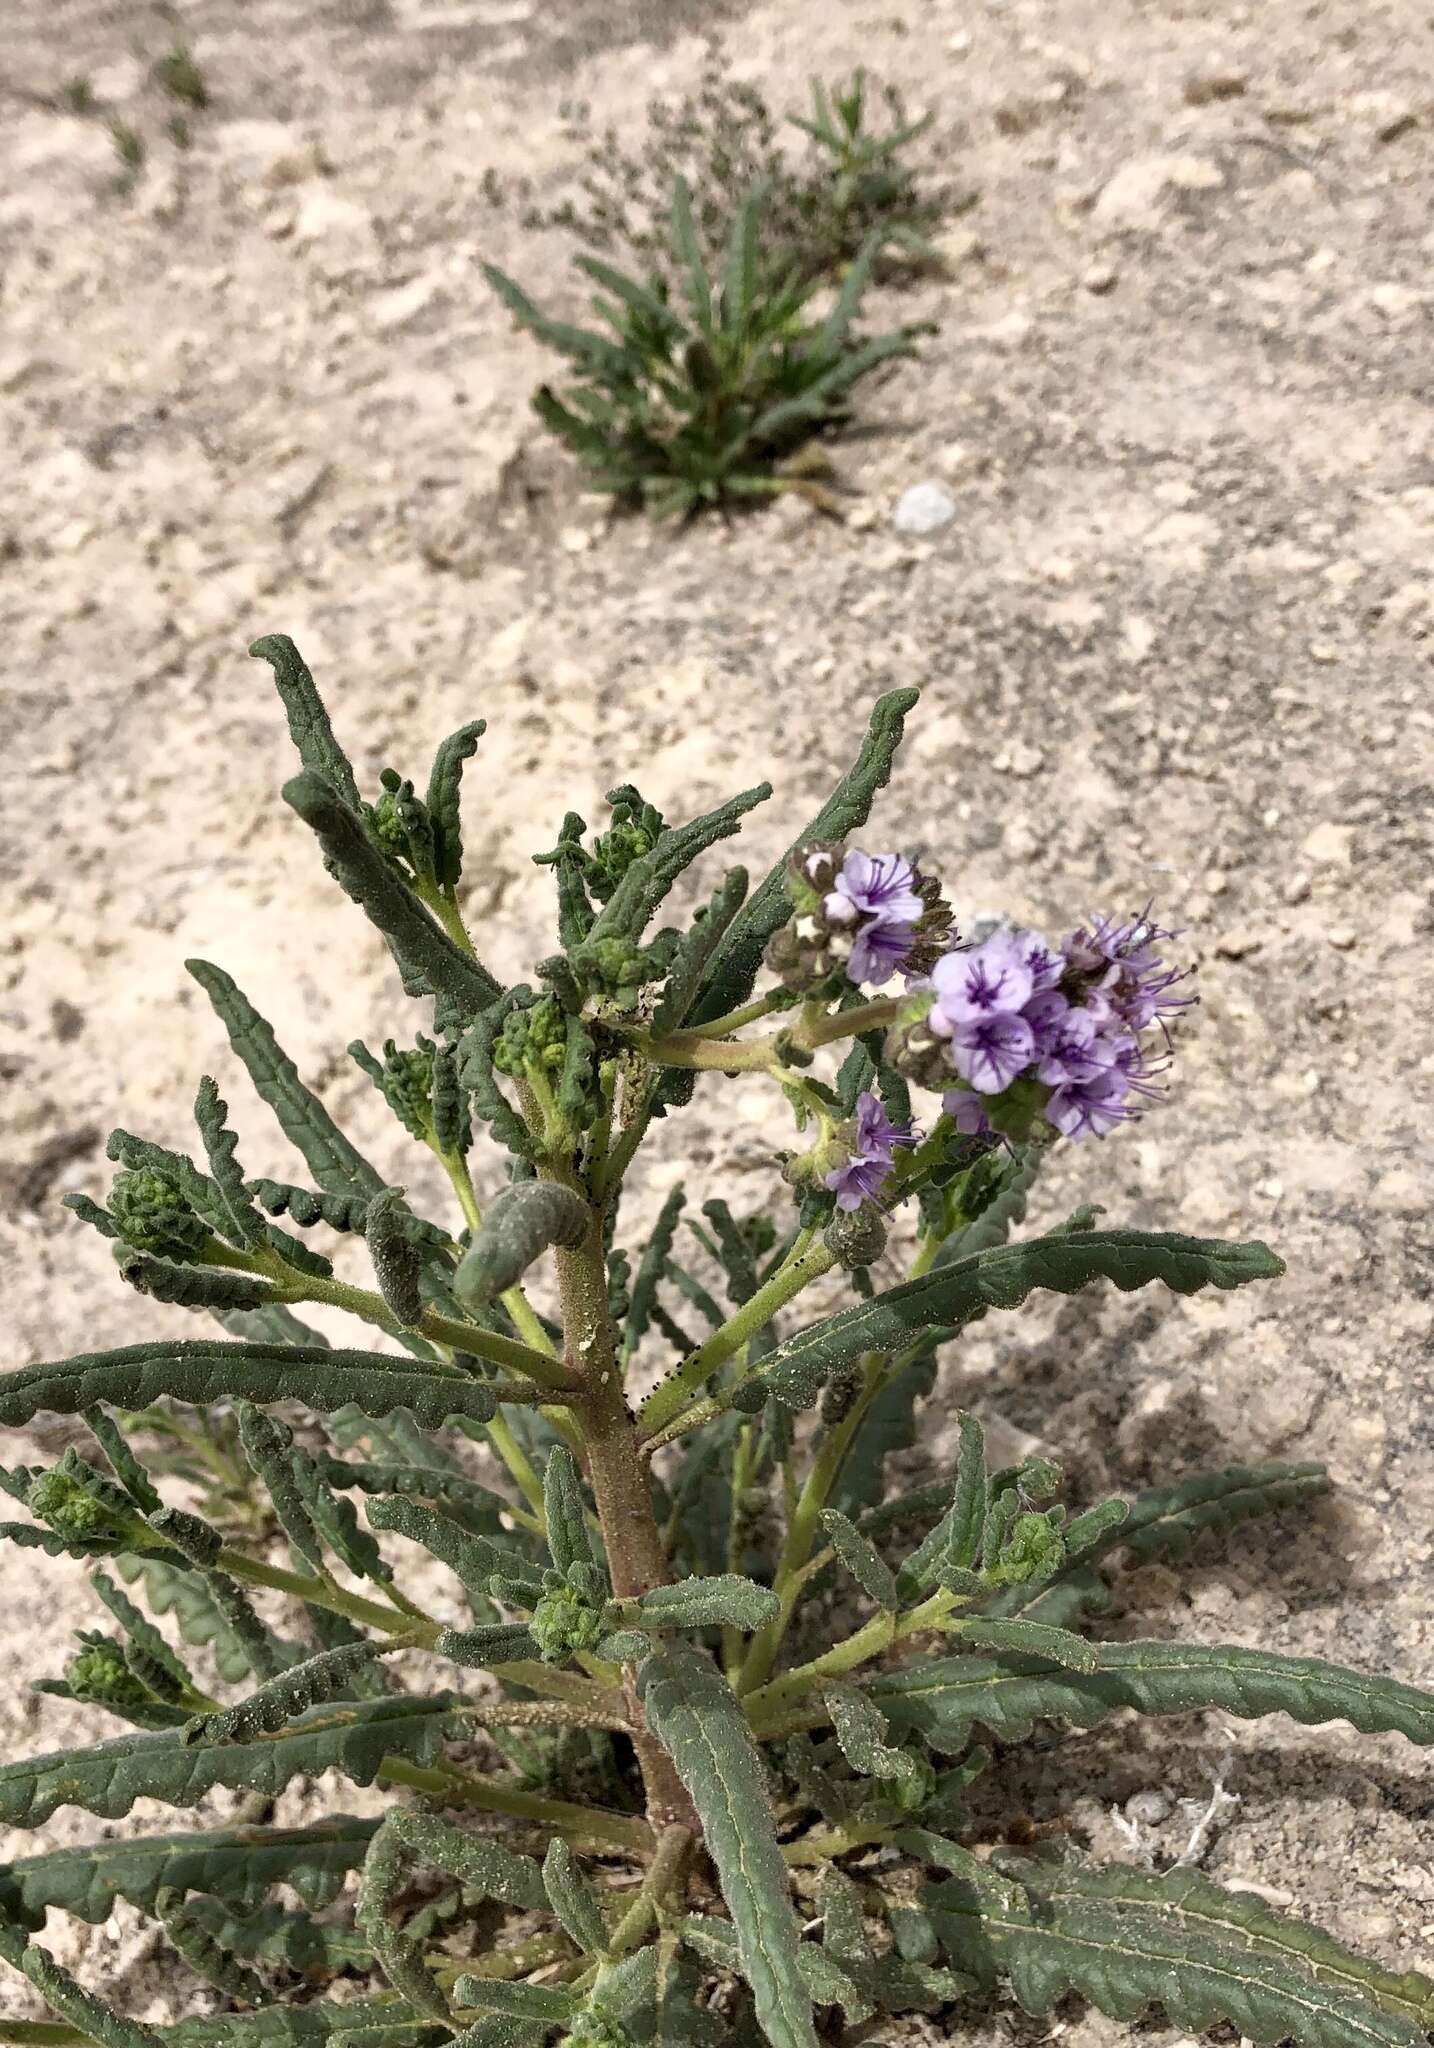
<point x="563" y="1623"/>
<point x="61" y="1501"/>
<point x="596" y="2029"/>
<point x="1034" y="1549"/>
<point x="153" y="1214"/>
<point x="856" y="1236"/>
<point x="99" y="1674"/>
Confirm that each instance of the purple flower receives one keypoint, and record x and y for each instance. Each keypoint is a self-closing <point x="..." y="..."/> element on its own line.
<point x="875" y="897"/>
<point x="1120" y="968"/>
<point x="967" y="1112"/>
<point x="992" y="1052"/>
<point x="1090" y="1108"/>
<point x="873" y="1151"/>
<point x="1067" y="1041"/>
<point x="993" y="980"/>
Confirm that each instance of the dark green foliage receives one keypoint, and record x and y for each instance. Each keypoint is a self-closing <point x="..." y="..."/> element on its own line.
<point x="697" y="396"/>
<point x="709" y="1720"/>
<point x="695" y="1716"/>
<point x="203" y="1372"/>
<point x="1126" y="1940"/>
<point x="954" y="1295"/>
<point x="944" y="1698"/>
<point x="526" y="1220"/>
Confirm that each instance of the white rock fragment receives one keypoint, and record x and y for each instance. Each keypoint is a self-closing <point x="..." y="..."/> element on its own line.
<point x="924" y="508"/>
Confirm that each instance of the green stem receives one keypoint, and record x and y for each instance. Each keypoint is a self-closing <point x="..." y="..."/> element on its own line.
<point x="806" y="1262"/>
<point x="803" y="1525"/>
<point x="324" y="1593"/>
<point x="539" y="1366"/>
<point x="824" y="1845"/>
<point x="876" y="1636"/>
<point x="41" y="2034"/>
<point x="722" y="1056"/>
<point x="590" y="1824"/>
<point x="862" y="1018"/>
<point x="775" y="999"/>
<point x="664" y="1874"/>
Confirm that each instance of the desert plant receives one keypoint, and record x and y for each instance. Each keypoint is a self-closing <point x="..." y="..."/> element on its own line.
<point x="702" y="400"/>
<point x="177" y="74"/>
<point x="711" y="1601"/>
<point x="853" y="183"/>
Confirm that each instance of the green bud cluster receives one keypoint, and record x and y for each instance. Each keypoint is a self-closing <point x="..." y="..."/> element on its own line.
<point x="62" y="1501"/>
<point x="532" y="1040"/>
<point x="99" y="1673"/>
<point x="1035" y="1548"/>
<point x="617" y="968"/>
<point x="565" y="1622"/>
<point x="152" y="1213"/>
<point x="387" y="822"/>
<point x="635" y="829"/>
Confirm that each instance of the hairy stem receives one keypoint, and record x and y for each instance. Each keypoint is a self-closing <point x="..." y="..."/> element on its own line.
<point x="592" y="1825"/>
<point x="636" y="1558"/>
<point x="806" y="1262"/>
<point x="766" y="1705"/>
<point x="803" y="1524"/>
<point x="664" y="1874"/>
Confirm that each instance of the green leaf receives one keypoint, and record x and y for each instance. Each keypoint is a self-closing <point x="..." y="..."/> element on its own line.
<point x="1029" y="1638"/>
<point x="1243" y="1920"/>
<point x="861" y="1731"/>
<point x="573" y="1900"/>
<point x="629" y="909"/>
<point x="565" y="1511"/>
<point x="953" y="1295"/>
<point x="221" y="1145"/>
<point x="408" y="1839"/>
<point x="203" y="1614"/>
<point x="697" y="948"/>
<point x="194" y="1941"/>
<point x="955" y="1542"/>
<point x="861" y="1558"/>
<point x="739" y="957"/>
<point x="651" y="1268"/>
<point x="1124" y="1956"/>
<point x="472" y="1557"/>
<point x="726" y="1600"/>
<point x="1168" y="1520"/>
<point x="123" y="1462"/>
<point x="60" y="1991"/>
<point x="328" y="1676"/>
<point x="527" y="1219"/>
<point x="335" y="1164"/>
<point x="351" y="1737"/>
<point x="309" y="726"/>
<point x="239" y="1864"/>
<point x="696" y="1717"/>
<point x="207" y="1371"/>
<point x="428" y="961"/>
<point x="444" y="808"/>
<point x="945" y="1699"/>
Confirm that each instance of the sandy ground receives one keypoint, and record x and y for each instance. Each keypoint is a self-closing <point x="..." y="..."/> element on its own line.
<point x="1175" y="643"/>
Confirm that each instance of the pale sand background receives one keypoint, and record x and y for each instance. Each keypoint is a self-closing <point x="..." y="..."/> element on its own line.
<point x="1174" y="642"/>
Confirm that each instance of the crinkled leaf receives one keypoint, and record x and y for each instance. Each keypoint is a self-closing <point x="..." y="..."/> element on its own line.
<point x="945" y="1698"/>
<point x="696" y="1717"/>
<point x="952" y="1295"/>
<point x="352" y="1738"/>
<point x="206" y="1371"/>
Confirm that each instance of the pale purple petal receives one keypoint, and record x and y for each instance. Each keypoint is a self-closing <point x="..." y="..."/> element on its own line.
<point x="967" y="1112"/>
<point x="991" y="980"/>
<point x="877" y="952"/>
<point x="878" y="885"/>
<point x="992" y="1051"/>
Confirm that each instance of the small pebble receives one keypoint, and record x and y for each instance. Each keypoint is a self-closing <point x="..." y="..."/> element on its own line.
<point x="1342" y="937"/>
<point x="924" y="508"/>
<point x="1100" y="279"/>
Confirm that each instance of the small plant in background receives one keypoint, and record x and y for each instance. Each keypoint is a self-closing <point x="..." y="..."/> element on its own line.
<point x="851" y="186"/>
<point x="131" y="151"/>
<point x="694" y="1767"/>
<point x="177" y="74"/>
<point x="704" y="396"/>
<point x="77" y="95"/>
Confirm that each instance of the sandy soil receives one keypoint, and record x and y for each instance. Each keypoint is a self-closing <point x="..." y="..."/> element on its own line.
<point x="1175" y="643"/>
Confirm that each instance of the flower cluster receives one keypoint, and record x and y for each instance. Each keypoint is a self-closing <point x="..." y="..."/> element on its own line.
<point x="860" y="918"/>
<point x="1073" y="1019"/>
<point x="873" y="1145"/>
